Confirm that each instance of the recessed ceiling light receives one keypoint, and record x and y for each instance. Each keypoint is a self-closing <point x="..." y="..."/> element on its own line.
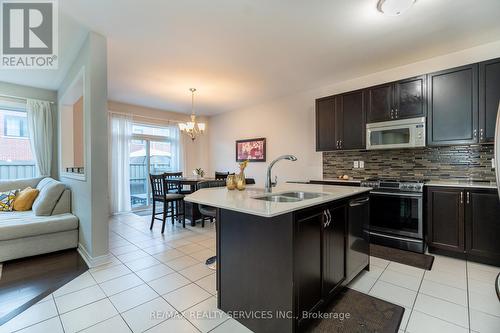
<point x="394" y="7"/>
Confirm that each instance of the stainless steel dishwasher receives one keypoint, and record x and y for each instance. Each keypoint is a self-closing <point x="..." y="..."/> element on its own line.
<point x="358" y="237"/>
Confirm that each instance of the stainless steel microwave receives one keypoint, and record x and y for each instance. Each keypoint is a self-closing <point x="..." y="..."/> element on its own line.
<point x="403" y="133"/>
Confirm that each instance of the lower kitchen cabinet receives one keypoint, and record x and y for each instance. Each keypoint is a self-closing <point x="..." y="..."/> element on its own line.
<point x="482" y="225"/>
<point x="464" y="222"/>
<point x="445" y="219"/>
<point x="333" y="249"/>
<point x="319" y="255"/>
<point x="308" y="259"/>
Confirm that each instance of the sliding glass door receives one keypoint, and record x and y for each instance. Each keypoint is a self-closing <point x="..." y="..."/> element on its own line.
<point x="139" y="182"/>
<point x="154" y="150"/>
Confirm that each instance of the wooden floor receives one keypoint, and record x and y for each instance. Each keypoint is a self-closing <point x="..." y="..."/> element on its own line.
<point x="24" y="282"/>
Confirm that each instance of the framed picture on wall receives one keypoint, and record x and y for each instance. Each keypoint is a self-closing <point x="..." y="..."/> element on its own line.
<point x="253" y="150"/>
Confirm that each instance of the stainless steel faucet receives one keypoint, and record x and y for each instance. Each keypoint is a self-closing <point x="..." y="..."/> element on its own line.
<point x="269" y="183"/>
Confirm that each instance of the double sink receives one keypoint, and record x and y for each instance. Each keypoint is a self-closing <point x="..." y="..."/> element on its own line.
<point x="290" y="196"/>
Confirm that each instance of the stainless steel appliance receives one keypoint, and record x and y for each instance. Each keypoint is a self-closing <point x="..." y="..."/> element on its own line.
<point x="497" y="150"/>
<point x="497" y="172"/>
<point x="358" y="237"/>
<point x="396" y="213"/>
<point x="403" y="133"/>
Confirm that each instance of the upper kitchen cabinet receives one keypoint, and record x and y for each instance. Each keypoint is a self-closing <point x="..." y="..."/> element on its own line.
<point x="340" y="122"/>
<point x="397" y="100"/>
<point x="452" y="106"/>
<point x="410" y="98"/>
<point x="352" y="115"/>
<point x="380" y="103"/>
<point x="325" y="124"/>
<point x="489" y="98"/>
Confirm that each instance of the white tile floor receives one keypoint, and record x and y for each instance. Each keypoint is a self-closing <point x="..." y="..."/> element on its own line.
<point x="159" y="283"/>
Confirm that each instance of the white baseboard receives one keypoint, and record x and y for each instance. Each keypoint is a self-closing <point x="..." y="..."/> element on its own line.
<point x="93" y="261"/>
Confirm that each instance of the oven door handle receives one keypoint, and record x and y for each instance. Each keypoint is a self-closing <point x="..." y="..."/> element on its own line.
<point x="394" y="194"/>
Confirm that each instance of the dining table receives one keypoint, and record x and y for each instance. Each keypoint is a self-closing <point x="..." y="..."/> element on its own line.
<point x="192" y="212"/>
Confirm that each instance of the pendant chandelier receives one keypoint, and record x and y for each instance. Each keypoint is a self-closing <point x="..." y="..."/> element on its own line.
<point x="192" y="128"/>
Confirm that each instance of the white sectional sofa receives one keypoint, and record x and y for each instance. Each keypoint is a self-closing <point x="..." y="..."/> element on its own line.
<point x="49" y="227"/>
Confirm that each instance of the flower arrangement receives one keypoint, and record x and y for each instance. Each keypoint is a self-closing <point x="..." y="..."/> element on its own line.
<point x="199" y="172"/>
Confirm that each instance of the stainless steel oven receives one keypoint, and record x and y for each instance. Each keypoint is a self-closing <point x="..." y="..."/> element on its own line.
<point x="396" y="214"/>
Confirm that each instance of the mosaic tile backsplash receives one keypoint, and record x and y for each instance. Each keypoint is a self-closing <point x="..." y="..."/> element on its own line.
<point x="434" y="163"/>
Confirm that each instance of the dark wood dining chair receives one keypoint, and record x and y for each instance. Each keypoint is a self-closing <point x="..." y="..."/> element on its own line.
<point x="173" y="203"/>
<point x="222" y="175"/>
<point x="250" y="181"/>
<point x="173" y="186"/>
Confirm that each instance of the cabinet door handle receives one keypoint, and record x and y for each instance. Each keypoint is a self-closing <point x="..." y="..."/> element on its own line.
<point x="337" y="144"/>
<point x="325" y="223"/>
<point x="475" y="133"/>
<point x="468" y="197"/>
<point x="481" y="135"/>
<point x="340" y="145"/>
<point x="359" y="202"/>
<point x="396" y="113"/>
<point x="329" y="217"/>
<point x="461" y="198"/>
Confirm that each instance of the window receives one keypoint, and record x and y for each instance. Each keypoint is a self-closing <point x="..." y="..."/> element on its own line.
<point x="154" y="149"/>
<point x="16" y="159"/>
<point x="15" y="126"/>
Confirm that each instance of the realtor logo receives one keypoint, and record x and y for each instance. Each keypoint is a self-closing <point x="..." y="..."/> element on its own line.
<point x="29" y="34"/>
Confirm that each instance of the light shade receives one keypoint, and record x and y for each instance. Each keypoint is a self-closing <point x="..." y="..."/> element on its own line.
<point x="201" y="127"/>
<point x="394" y="7"/>
<point x="190" y="125"/>
<point x="182" y="126"/>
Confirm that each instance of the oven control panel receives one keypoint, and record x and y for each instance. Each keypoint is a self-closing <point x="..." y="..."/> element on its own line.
<point x="396" y="186"/>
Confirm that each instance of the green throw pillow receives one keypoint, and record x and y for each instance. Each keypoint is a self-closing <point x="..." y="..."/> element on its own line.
<point x="7" y="200"/>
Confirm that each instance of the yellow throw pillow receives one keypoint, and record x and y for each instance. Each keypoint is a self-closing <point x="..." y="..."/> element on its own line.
<point x="24" y="199"/>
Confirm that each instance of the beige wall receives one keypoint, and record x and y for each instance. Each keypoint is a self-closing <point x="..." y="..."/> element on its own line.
<point x="78" y="133"/>
<point x="90" y="196"/>
<point x="196" y="152"/>
<point x="288" y="123"/>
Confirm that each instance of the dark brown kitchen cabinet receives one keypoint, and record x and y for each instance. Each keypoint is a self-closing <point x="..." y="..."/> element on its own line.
<point x="319" y="255"/>
<point x="489" y="98"/>
<point x="308" y="262"/>
<point x="353" y="123"/>
<point x="397" y="100"/>
<point x="410" y="98"/>
<point x="380" y="103"/>
<point x="482" y="224"/>
<point x="325" y="124"/>
<point x="340" y="122"/>
<point x="445" y="219"/>
<point x="334" y="231"/>
<point x="464" y="221"/>
<point x="452" y="106"/>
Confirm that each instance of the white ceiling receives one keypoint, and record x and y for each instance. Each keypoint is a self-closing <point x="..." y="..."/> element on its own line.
<point x="244" y="52"/>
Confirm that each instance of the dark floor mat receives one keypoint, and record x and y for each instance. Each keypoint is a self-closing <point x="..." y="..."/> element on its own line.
<point x="26" y="281"/>
<point x="414" y="259"/>
<point x="354" y="312"/>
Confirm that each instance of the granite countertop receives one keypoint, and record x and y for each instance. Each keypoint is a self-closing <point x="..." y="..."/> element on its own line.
<point x="245" y="202"/>
<point x="462" y="183"/>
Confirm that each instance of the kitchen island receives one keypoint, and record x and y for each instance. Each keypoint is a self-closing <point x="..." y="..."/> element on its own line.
<point x="281" y="256"/>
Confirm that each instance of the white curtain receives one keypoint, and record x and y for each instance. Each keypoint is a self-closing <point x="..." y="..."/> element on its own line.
<point x="178" y="151"/>
<point x="120" y="139"/>
<point x="41" y="133"/>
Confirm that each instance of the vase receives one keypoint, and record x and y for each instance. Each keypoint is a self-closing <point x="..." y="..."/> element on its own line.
<point x="240" y="181"/>
<point x="231" y="182"/>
